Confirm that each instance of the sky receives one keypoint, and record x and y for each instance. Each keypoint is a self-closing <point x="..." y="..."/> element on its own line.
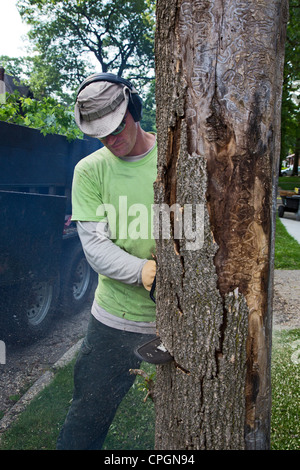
<point x="11" y="30"/>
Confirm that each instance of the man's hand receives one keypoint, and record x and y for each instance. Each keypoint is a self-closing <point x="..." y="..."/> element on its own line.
<point x="148" y="274"/>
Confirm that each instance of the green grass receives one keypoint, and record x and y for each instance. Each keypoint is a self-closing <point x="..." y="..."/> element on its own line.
<point x="287" y="249"/>
<point x="285" y="422"/>
<point x="288" y="183"/>
<point x="38" y="426"/>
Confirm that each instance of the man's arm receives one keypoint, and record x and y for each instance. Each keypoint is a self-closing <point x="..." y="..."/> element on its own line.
<point x="106" y="258"/>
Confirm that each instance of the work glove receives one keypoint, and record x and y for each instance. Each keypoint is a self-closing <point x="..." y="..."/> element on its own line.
<point x="148" y="274"/>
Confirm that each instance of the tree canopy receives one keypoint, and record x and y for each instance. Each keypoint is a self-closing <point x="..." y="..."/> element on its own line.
<point x="71" y="38"/>
<point x="46" y="114"/>
<point x="290" y="129"/>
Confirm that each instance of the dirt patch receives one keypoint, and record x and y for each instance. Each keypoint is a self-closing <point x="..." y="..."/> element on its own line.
<point x="286" y="308"/>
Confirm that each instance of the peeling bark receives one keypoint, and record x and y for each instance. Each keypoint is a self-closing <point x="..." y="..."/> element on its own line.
<point x="219" y="74"/>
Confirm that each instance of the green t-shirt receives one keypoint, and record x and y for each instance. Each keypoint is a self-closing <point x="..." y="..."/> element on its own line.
<point x="106" y="187"/>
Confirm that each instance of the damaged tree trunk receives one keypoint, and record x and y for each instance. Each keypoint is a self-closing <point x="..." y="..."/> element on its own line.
<point x="219" y="66"/>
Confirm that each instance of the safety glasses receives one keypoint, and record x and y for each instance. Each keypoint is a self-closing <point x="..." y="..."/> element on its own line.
<point x="121" y="127"/>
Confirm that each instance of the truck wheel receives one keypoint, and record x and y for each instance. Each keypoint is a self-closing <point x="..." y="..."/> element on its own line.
<point x="78" y="279"/>
<point x="31" y="313"/>
<point x="281" y="211"/>
<point x="42" y="298"/>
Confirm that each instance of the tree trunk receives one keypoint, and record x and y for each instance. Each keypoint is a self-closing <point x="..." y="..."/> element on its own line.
<point x="219" y="68"/>
<point x="297" y="155"/>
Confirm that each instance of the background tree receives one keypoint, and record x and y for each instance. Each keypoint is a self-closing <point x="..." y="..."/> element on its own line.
<point x="46" y="115"/>
<point x="66" y="34"/>
<point x="64" y="37"/>
<point x="219" y="67"/>
<point x="290" y="129"/>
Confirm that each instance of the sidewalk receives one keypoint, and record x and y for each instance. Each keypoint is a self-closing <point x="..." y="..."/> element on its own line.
<point x="292" y="225"/>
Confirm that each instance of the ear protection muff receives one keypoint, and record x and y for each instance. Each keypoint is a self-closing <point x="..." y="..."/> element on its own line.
<point x="135" y="104"/>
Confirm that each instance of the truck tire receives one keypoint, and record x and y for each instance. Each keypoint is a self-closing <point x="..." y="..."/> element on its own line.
<point x="41" y="304"/>
<point x="30" y="312"/>
<point x="77" y="280"/>
<point x="280" y="211"/>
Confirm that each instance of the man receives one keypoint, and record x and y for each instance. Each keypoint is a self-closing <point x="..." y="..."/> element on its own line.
<point x="108" y="188"/>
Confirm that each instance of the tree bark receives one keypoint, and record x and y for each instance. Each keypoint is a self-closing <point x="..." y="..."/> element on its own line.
<point x="219" y="67"/>
<point x="297" y="155"/>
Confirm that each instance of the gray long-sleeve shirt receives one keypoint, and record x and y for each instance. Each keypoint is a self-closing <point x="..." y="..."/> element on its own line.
<point x="110" y="260"/>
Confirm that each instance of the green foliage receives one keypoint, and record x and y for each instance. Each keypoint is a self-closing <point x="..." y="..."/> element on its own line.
<point x="47" y="115"/>
<point x="67" y="35"/>
<point x="148" y="121"/>
<point x="19" y="67"/>
<point x="290" y="117"/>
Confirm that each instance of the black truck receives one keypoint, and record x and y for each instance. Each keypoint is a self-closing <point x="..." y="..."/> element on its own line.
<point x="43" y="270"/>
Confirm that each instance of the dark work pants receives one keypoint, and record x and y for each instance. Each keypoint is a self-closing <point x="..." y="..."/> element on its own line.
<point x="101" y="380"/>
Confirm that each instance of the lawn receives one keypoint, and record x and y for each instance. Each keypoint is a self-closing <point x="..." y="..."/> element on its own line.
<point x="285" y="423"/>
<point x="38" y="426"/>
<point x="287" y="252"/>
<point x="287" y="249"/>
<point x="289" y="183"/>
